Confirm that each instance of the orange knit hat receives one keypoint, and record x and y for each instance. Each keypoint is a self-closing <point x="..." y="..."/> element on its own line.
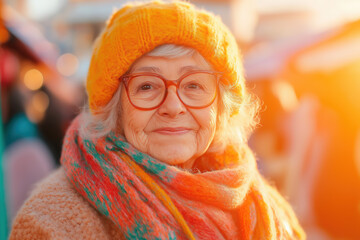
<point x="137" y="29"/>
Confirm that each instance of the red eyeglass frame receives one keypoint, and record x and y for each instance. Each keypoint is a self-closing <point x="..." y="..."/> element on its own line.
<point x="128" y="77"/>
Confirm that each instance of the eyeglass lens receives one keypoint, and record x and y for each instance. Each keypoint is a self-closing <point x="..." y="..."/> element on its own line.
<point x="195" y="90"/>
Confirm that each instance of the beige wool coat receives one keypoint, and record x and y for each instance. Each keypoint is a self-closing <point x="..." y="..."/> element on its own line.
<point x="56" y="211"/>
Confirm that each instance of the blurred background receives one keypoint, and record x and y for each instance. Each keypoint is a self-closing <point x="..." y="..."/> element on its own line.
<point x="301" y="58"/>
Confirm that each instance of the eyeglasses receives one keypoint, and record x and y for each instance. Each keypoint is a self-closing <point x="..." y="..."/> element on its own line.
<point x="195" y="89"/>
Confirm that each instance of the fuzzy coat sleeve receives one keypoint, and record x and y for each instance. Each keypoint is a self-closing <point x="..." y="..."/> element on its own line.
<point x="56" y="211"/>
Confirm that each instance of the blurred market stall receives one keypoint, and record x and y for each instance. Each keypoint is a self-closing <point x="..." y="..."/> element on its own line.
<point x="305" y="69"/>
<point x="37" y="105"/>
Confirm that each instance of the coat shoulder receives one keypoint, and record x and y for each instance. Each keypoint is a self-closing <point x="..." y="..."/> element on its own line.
<point x="56" y="211"/>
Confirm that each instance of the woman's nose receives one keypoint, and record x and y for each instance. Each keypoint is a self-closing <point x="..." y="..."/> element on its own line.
<point x="172" y="106"/>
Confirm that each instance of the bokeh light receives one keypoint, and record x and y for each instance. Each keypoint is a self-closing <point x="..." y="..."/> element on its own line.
<point x="40" y="101"/>
<point x="286" y="95"/>
<point x="4" y="34"/>
<point x="67" y="64"/>
<point x="36" y="107"/>
<point x="33" y="79"/>
<point x="42" y="9"/>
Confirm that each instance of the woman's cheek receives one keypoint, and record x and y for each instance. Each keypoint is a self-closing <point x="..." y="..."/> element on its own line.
<point x="135" y="135"/>
<point x="207" y="130"/>
<point x="133" y="126"/>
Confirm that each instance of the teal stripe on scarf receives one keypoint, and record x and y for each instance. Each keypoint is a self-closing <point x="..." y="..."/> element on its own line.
<point x="151" y="165"/>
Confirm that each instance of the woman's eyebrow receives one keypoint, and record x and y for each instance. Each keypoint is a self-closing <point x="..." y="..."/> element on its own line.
<point x="190" y="68"/>
<point x="147" y="69"/>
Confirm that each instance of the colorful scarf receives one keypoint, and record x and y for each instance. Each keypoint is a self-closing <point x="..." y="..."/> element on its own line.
<point x="148" y="199"/>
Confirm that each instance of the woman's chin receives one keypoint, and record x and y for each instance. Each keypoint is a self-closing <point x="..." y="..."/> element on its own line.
<point x="173" y="155"/>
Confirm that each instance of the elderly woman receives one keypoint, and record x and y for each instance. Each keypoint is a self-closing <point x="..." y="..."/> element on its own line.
<point x="161" y="153"/>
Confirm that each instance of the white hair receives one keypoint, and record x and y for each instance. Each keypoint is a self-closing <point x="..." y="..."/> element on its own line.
<point x="231" y="129"/>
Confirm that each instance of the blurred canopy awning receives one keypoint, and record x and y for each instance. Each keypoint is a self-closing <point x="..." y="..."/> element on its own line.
<point x="330" y="69"/>
<point x="26" y="39"/>
<point x="265" y="61"/>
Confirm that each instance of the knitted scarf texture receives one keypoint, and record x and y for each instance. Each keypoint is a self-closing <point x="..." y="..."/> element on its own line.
<point x="225" y="198"/>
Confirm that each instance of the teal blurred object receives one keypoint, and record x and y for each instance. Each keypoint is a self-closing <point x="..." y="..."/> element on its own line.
<point x="3" y="217"/>
<point x="18" y="128"/>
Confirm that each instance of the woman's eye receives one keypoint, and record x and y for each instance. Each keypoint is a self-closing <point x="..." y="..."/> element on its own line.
<point x="194" y="86"/>
<point x="145" y="87"/>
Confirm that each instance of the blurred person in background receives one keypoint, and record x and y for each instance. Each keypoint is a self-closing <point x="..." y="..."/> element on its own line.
<point x="154" y="158"/>
<point x="26" y="158"/>
<point x="290" y="144"/>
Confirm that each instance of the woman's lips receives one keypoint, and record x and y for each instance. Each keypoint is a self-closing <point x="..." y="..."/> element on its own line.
<point x="172" y="131"/>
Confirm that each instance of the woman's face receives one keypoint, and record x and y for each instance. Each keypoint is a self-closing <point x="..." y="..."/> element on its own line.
<point x="172" y="133"/>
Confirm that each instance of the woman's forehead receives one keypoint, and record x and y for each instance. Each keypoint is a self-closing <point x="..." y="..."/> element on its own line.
<point x="179" y="65"/>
